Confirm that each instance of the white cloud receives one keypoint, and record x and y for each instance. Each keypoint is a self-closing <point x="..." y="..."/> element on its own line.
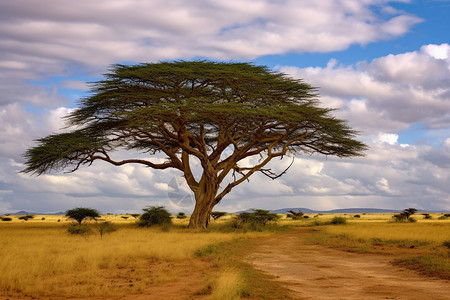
<point x="389" y="93"/>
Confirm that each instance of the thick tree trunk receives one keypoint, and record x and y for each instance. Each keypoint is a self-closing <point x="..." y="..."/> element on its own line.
<point x="204" y="204"/>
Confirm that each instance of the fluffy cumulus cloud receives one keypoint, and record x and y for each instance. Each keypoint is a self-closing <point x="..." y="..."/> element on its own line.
<point x="101" y="32"/>
<point x="389" y="93"/>
<point x="49" y="49"/>
<point x="382" y="99"/>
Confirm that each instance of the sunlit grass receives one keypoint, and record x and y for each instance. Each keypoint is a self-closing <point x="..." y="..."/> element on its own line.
<point x="42" y="259"/>
<point x="427" y="232"/>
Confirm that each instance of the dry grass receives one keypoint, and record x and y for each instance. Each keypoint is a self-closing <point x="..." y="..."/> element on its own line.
<point x="41" y="259"/>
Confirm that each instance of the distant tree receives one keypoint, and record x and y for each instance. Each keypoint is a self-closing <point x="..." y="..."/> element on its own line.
<point x="405" y="215"/>
<point x="125" y="217"/>
<point x="155" y="215"/>
<point x="81" y="213"/>
<point x="26" y="217"/>
<point x="217" y="214"/>
<point x="219" y="114"/>
<point x="409" y="212"/>
<point x="181" y="215"/>
<point x="135" y="215"/>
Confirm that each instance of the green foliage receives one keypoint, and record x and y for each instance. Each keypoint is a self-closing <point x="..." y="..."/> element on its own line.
<point x="405" y="215"/>
<point x="338" y="221"/>
<point x="135" y="215"/>
<point x="181" y="215"/>
<point x="254" y="220"/>
<point x="81" y="213"/>
<point x="105" y="227"/>
<point x="427" y="216"/>
<point x="181" y="109"/>
<point x="154" y="215"/>
<point x="26" y="217"/>
<point x="218" y="214"/>
<point x="81" y="229"/>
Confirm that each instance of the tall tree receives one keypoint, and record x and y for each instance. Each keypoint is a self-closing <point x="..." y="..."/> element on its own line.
<point x="218" y="113"/>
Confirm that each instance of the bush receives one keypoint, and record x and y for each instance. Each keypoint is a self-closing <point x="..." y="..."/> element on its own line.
<point x="105" y="227"/>
<point x="217" y="214"/>
<point x="181" y="215"/>
<point x="356" y="216"/>
<point x="154" y="215"/>
<point x="80" y="213"/>
<point x="412" y="220"/>
<point x="81" y="229"/>
<point x="338" y="221"/>
<point x="446" y="244"/>
<point x="427" y="216"/>
<point x="6" y="219"/>
<point x="442" y="218"/>
<point x="254" y="220"/>
<point x="26" y="217"/>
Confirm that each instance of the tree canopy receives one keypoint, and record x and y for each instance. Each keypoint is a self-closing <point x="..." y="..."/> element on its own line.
<point x="219" y="113"/>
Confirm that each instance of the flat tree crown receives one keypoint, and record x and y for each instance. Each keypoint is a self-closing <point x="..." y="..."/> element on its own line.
<point x="149" y="107"/>
<point x="220" y="113"/>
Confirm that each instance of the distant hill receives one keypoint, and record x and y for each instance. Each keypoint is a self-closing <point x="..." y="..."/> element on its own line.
<point x="337" y="211"/>
<point x="23" y="212"/>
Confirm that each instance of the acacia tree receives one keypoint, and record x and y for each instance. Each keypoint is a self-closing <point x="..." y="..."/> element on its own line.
<point x="218" y="113"/>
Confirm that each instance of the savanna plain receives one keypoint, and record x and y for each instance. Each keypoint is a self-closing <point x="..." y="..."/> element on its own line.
<point x="41" y="259"/>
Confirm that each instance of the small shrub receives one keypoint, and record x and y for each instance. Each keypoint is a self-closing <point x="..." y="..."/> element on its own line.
<point x="305" y="217"/>
<point x="26" y="217"/>
<point x="181" y="215"/>
<point x="105" y="227"/>
<point x="356" y="216"/>
<point x="259" y="216"/>
<point x="412" y="220"/>
<point x="338" y="221"/>
<point x="217" y="214"/>
<point x="135" y="215"/>
<point x="43" y="219"/>
<point x="125" y="217"/>
<point x="447" y="215"/>
<point x="81" y="229"/>
<point x="442" y="218"/>
<point x="6" y="219"/>
<point x="446" y="244"/>
<point x="154" y="215"/>
<point x="427" y="216"/>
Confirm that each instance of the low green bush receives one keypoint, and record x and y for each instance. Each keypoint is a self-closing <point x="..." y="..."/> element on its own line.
<point x="6" y="219"/>
<point x="154" y="215"/>
<point x="181" y="215"/>
<point x="105" y="227"/>
<point x="338" y="221"/>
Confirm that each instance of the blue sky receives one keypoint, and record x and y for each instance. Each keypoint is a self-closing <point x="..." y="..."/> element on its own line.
<point x="383" y="65"/>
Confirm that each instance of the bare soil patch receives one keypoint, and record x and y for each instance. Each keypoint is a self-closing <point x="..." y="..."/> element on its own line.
<point x="317" y="272"/>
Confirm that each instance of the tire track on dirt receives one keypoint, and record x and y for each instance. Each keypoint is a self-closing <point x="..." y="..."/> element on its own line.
<point x="317" y="272"/>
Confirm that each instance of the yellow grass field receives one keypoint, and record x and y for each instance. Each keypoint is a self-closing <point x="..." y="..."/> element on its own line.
<point x="40" y="258"/>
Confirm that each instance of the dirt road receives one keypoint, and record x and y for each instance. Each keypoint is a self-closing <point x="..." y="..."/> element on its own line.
<point x="317" y="272"/>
